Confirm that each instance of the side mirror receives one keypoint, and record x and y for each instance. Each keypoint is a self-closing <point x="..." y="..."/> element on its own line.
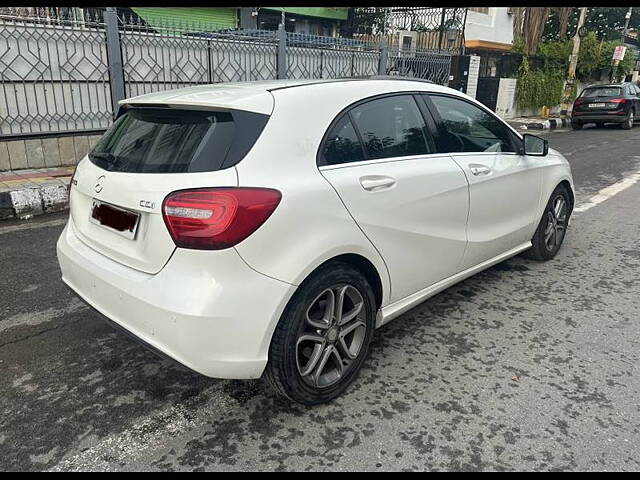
<point x="534" y="145"/>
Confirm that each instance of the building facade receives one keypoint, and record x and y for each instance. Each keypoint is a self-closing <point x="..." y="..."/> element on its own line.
<point x="488" y="29"/>
<point x="488" y="35"/>
<point x="323" y="21"/>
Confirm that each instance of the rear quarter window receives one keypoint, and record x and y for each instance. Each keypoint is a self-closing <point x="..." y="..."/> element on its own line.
<point x="162" y="140"/>
<point x="342" y="144"/>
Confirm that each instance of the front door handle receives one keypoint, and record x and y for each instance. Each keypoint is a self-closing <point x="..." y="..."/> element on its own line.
<point x="477" y="169"/>
<point x="376" y="182"/>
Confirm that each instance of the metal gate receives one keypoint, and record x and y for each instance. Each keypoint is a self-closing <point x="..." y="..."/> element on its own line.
<point x="435" y="34"/>
<point x="428" y="65"/>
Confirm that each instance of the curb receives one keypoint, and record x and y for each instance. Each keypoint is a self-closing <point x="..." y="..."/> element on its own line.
<point x="550" y="124"/>
<point x="26" y="202"/>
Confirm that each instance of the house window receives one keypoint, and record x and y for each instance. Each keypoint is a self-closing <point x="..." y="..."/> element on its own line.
<point x="268" y="20"/>
<point x="484" y="10"/>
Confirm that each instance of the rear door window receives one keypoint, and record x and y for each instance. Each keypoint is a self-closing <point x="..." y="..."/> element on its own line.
<point x="155" y="140"/>
<point x="392" y="127"/>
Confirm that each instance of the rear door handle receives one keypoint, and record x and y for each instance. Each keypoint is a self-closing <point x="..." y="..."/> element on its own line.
<point x="376" y="182"/>
<point x="478" y="169"/>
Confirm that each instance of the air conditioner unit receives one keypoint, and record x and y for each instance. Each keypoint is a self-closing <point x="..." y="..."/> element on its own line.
<point x="405" y="41"/>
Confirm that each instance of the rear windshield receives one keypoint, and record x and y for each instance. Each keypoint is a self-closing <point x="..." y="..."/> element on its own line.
<point x="602" y="92"/>
<point x="157" y="140"/>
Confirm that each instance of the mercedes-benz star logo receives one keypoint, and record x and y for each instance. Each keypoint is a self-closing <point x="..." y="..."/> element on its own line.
<point x="99" y="183"/>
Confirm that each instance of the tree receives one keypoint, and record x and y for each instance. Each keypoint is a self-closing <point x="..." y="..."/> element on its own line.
<point x="518" y="17"/>
<point x="364" y="20"/>
<point x="528" y="28"/>
<point x="563" y="17"/>
<point x="561" y="23"/>
<point x="606" y="22"/>
<point x="534" y="22"/>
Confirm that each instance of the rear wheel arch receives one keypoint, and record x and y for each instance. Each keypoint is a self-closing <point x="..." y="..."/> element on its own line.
<point x="295" y="369"/>
<point x="364" y="266"/>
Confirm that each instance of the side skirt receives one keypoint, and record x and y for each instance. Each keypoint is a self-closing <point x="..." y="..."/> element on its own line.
<point x="388" y="313"/>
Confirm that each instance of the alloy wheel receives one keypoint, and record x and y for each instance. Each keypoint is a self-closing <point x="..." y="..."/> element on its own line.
<point x="556" y="223"/>
<point x="332" y="337"/>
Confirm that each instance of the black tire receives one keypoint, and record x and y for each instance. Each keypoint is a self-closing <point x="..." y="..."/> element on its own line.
<point x="576" y="125"/>
<point x="540" y="249"/>
<point x="287" y="351"/>
<point x="628" y="122"/>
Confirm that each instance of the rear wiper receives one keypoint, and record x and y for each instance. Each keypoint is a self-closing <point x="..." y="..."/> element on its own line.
<point x="102" y="156"/>
<point x="109" y="158"/>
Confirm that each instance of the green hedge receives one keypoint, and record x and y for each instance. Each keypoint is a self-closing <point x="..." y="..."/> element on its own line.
<point x="544" y="87"/>
<point x="537" y="88"/>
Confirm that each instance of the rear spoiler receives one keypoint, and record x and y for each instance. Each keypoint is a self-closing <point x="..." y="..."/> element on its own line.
<point x="122" y="108"/>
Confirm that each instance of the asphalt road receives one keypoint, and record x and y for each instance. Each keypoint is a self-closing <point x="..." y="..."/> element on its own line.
<point x="525" y="366"/>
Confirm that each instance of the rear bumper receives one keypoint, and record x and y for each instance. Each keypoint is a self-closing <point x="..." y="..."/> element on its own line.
<point x="207" y="310"/>
<point x="601" y="117"/>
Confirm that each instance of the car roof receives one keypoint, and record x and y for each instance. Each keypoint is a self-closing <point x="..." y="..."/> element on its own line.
<point x="250" y="96"/>
<point x="600" y="85"/>
<point x="352" y="79"/>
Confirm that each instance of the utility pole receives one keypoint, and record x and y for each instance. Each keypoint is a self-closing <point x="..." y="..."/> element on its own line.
<point x="616" y="62"/>
<point x="386" y="22"/>
<point x="626" y="23"/>
<point x="573" y="63"/>
<point x="282" y="49"/>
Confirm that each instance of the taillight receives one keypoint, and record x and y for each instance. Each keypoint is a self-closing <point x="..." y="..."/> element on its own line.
<point x="617" y="100"/>
<point x="578" y="101"/>
<point x="217" y="218"/>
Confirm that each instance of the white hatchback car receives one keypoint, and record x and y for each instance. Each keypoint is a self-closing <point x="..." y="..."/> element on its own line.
<point x="268" y="228"/>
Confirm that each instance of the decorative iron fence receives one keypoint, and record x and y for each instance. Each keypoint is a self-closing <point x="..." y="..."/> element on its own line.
<point x="428" y="64"/>
<point x="312" y="56"/>
<point x="60" y="74"/>
<point x="53" y="77"/>
<point x="168" y="55"/>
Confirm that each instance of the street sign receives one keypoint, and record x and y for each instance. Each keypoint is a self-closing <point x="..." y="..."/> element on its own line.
<point x="618" y="54"/>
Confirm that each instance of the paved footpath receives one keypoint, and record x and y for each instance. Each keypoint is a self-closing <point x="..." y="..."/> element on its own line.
<point x="26" y="193"/>
<point x="525" y="366"/>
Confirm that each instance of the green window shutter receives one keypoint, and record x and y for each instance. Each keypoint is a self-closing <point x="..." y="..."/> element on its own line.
<point x="212" y="18"/>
